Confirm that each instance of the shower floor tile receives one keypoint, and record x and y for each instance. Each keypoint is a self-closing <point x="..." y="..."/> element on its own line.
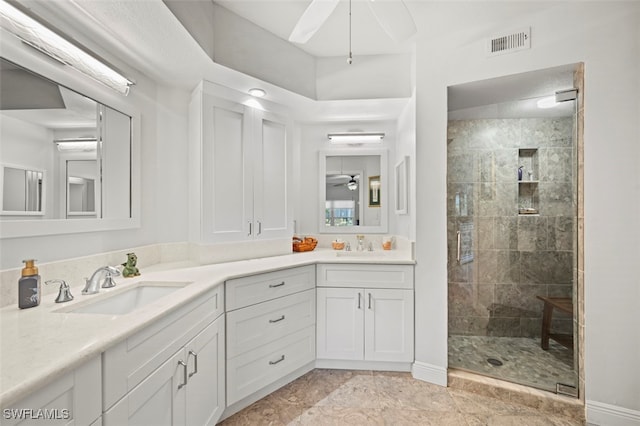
<point x="523" y="360"/>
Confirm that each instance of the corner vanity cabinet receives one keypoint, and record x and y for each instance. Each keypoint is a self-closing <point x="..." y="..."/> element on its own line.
<point x="172" y="372"/>
<point x="271" y="322"/>
<point x="365" y="316"/>
<point x="238" y="167"/>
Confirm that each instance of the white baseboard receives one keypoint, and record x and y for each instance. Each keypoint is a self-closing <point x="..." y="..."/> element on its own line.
<point x="599" y="413"/>
<point x="340" y="364"/>
<point x="430" y="373"/>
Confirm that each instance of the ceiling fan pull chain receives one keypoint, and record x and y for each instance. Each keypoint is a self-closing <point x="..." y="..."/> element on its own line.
<point x="350" y="58"/>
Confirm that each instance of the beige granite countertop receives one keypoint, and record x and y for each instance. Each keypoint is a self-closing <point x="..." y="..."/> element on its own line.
<point x="39" y="345"/>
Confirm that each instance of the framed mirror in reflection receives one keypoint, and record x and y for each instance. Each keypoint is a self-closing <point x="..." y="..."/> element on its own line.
<point x="67" y="145"/>
<point x="345" y="202"/>
<point x="23" y="193"/>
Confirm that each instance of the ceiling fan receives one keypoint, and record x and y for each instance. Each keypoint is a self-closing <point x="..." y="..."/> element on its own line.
<point x="351" y="184"/>
<point x="392" y="15"/>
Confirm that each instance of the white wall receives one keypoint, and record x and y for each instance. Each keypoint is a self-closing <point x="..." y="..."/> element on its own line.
<point x="405" y="225"/>
<point x="604" y="36"/>
<point x="169" y="167"/>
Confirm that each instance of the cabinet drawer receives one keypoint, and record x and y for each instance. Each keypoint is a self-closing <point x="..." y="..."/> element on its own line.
<point x="245" y="291"/>
<point x="253" y="370"/>
<point x="257" y="325"/>
<point x="130" y="361"/>
<point x="365" y="276"/>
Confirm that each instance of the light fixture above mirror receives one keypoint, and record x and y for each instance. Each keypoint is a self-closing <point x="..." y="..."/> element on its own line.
<point x="355" y="138"/>
<point x="51" y="44"/>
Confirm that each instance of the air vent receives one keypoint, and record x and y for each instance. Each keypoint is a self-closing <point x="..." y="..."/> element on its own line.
<point x="511" y="42"/>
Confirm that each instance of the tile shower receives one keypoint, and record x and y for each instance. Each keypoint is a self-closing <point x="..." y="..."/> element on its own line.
<point x="509" y="240"/>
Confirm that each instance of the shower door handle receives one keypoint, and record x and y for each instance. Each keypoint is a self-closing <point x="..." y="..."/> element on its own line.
<point x="458" y="247"/>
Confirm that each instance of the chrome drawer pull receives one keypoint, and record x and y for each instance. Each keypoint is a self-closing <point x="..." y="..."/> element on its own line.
<point x="276" y="285"/>
<point x="277" y="361"/>
<point x="195" y="362"/>
<point x="185" y="374"/>
<point x="369" y="300"/>
<point x="359" y="299"/>
<point x="276" y="320"/>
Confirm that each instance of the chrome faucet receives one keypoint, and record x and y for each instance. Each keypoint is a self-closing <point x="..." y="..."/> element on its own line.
<point x="64" y="294"/>
<point x="92" y="285"/>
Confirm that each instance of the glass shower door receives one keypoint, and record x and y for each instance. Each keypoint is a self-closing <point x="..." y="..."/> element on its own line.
<point x="511" y="210"/>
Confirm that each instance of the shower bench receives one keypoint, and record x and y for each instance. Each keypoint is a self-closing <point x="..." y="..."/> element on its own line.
<point x="564" y="304"/>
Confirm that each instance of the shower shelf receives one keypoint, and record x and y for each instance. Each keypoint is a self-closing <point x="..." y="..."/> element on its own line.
<point x="528" y="197"/>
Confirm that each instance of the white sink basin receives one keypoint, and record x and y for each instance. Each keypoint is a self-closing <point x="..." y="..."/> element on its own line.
<point x="127" y="300"/>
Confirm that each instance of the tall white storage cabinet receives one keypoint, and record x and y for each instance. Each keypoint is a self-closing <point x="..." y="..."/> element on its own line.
<point x="365" y="316"/>
<point x="238" y="166"/>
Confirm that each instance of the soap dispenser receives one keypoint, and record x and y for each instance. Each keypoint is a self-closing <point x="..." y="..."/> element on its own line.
<point x="29" y="286"/>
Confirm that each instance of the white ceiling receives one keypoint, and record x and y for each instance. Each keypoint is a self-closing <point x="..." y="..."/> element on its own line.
<point x="280" y="16"/>
<point x="146" y="36"/>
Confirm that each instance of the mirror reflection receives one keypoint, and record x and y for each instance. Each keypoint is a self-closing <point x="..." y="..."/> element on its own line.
<point x="23" y="192"/>
<point x="82" y="147"/>
<point x="352" y="194"/>
<point x="81" y="188"/>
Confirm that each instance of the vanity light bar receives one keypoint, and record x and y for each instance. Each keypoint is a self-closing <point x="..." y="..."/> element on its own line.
<point x="38" y="36"/>
<point x="355" y="137"/>
<point x="76" y="144"/>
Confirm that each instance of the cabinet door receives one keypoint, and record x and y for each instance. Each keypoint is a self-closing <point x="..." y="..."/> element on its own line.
<point x="158" y="400"/>
<point x="73" y="399"/>
<point x="340" y="323"/>
<point x="270" y="207"/>
<point x="389" y="325"/>
<point x="206" y="380"/>
<point x="227" y="198"/>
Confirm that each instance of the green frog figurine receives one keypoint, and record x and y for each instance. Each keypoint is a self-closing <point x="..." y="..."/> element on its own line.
<point x="130" y="269"/>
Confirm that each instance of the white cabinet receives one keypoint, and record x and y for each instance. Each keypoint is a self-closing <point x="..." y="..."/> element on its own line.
<point x="239" y="171"/>
<point x="173" y="371"/>
<point x="187" y="389"/>
<point x="270" y="331"/>
<point x="73" y="399"/>
<point x="358" y="323"/>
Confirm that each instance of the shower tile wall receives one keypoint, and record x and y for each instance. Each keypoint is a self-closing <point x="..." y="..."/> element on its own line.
<point x="509" y="259"/>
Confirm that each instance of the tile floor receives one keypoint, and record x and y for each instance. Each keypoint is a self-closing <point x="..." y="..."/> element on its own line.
<point x="524" y="361"/>
<point x="345" y="397"/>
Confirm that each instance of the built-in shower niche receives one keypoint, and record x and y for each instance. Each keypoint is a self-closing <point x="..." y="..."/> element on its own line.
<point x="528" y="178"/>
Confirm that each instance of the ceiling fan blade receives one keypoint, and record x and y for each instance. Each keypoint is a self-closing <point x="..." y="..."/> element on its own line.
<point x="312" y="19"/>
<point x="394" y="18"/>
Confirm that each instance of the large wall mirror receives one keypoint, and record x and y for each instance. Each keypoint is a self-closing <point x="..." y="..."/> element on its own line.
<point x="65" y="145"/>
<point x="353" y="192"/>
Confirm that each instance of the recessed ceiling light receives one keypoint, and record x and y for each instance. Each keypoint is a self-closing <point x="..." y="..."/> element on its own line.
<point x="258" y="93"/>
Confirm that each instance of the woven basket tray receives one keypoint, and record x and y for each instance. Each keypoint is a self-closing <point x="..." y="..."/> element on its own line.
<point x="304" y="244"/>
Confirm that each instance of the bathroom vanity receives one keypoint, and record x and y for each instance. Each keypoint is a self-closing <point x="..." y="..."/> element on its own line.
<point x="231" y="334"/>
